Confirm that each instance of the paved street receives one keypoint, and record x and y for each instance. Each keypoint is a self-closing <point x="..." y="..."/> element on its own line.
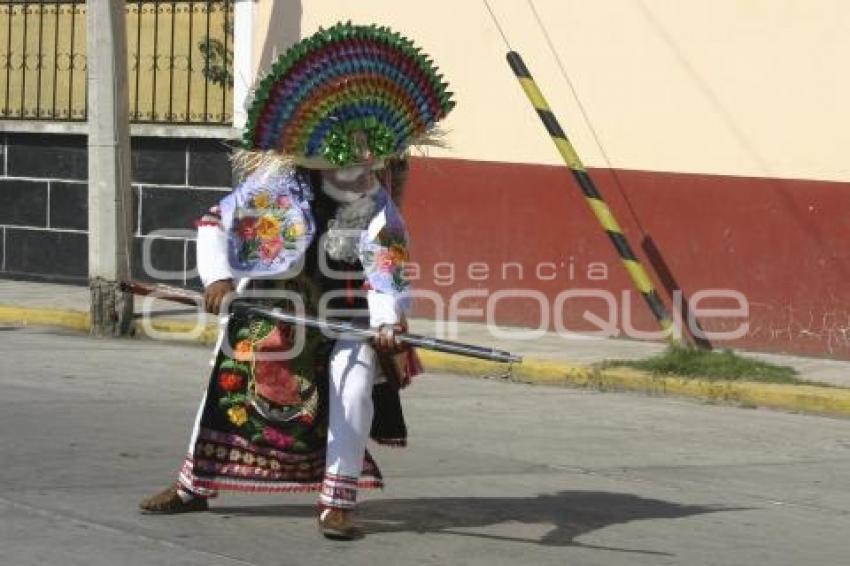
<point x="497" y="473"/>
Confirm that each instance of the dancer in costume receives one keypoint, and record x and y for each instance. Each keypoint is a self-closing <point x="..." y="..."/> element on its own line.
<point x="313" y="225"/>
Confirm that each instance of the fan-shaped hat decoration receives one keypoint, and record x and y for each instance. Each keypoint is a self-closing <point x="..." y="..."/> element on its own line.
<point x="348" y="94"/>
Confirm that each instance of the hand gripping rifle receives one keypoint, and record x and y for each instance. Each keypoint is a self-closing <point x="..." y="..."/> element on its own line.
<point x="187" y="297"/>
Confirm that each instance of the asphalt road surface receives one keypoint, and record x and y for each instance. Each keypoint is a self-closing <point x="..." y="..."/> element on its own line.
<point x="497" y="473"/>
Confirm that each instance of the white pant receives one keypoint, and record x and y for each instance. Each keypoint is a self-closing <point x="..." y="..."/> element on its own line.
<point x="353" y="369"/>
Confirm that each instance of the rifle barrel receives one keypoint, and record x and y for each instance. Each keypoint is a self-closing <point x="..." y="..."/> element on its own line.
<point x="419" y="341"/>
<point x="188" y="297"/>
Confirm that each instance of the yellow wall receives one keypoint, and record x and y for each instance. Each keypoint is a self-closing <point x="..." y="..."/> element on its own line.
<point x="168" y="91"/>
<point x="739" y="87"/>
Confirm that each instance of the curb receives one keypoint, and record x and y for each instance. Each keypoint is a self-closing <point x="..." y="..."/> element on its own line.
<point x="812" y="399"/>
<point x="819" y="400"/>
<point x="73" y="320"/>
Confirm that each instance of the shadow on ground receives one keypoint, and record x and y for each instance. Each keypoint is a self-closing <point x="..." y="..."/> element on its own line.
<point x="571" y="514"/>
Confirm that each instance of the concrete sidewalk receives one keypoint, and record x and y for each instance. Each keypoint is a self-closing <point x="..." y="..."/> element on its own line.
<point x="582" y="351"/>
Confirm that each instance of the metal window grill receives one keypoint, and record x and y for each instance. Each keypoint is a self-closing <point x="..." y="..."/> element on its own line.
<point x="180" y="61"/>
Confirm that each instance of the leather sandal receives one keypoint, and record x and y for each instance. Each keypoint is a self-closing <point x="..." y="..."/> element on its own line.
<point x="168" y="502"/>
<point x="337" y="524"/>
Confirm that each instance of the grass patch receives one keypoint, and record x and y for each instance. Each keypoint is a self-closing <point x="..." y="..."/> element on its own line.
<point x="720" y="365"/>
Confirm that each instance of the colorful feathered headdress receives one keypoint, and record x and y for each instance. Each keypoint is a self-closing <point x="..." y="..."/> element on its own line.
<point x="347" y="94"/>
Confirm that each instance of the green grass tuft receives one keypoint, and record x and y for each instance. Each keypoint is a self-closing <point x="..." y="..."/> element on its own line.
<point x="721" y="365"/>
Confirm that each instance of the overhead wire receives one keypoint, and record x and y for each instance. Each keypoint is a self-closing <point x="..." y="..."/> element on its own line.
<point x="498" y="25"/>
<point x="585" y="115"/>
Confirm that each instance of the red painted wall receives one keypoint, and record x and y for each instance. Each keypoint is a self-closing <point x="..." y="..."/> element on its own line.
<point x="782" y="243"/>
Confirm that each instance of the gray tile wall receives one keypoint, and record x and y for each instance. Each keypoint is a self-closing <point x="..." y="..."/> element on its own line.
<point x="44" y="206"/>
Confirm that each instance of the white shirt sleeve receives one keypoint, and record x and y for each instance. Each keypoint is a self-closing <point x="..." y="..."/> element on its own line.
<point x="383" y="309"/>
<point x="212" y="255"/>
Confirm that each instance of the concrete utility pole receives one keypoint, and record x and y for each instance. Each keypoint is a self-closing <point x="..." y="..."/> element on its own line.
<point x="243" y="58"/>
<point x="110" y="197"/>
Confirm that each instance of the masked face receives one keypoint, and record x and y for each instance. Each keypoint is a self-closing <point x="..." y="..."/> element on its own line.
<point x="358" y="179"/>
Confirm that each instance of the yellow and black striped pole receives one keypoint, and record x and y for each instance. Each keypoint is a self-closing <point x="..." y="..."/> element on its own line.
<point x="600" y="209"/>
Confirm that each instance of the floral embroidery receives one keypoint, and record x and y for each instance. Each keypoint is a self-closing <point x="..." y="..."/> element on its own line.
<point x="270" y="248"/>
<point x="268" y="222"/>
<point x="306" y="419"/>
<point x="247" y="227"/>
<point x="384" y="251"/>
<point x="230" y="381"/>
<point x="296" y="230"/>
<point x="266" y="226"/>
<point x="277" y="383"/>
<point x="277" y="438"/>
<point x="237" y="415"/>
<point x="273" y="403"/>
<point x="390" y="258"/>
<point x="262" y="200"/>
<point x="244" y="351"/>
